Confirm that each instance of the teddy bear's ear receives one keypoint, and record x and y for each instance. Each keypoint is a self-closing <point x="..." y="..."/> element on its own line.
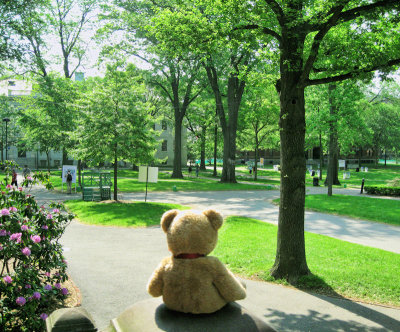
<point x="214" y="217"/>
<point x="167" y="218"/>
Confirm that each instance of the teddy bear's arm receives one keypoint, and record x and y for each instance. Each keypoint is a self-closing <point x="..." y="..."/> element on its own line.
<point x="155" y="285"/>
<point x="227" y="284"/>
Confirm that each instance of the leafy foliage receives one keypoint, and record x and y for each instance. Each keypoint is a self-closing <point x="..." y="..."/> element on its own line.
<point x="31" y="260"/>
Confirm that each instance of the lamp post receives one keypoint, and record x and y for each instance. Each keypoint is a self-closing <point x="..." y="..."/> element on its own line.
<point x="6" y="120"/>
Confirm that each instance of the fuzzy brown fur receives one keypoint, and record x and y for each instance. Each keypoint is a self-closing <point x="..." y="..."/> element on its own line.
<point x="197" y="285"/>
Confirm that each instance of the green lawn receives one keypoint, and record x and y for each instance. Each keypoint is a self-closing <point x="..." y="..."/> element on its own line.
<point x="375" y="176"/>
<point x="248" y="247"/>
<point x="374" y="209"/>
<point x="128" y="182"/>
<point x="135" y="214"/>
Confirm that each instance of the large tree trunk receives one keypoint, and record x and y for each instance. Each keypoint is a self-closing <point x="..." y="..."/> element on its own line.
<point x="177" y="171"/>
<point x="215" y="147"/>
<point x="290" y="261"/>
<point x="332" y="177"/>
<point x="255" y="157"/>
<point x="203" y="148"/>
<point x="115" y="176"/>
<point x="229" y="159"/>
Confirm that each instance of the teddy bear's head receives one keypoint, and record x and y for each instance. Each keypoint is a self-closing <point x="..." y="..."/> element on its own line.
<point x="191" y="232"/>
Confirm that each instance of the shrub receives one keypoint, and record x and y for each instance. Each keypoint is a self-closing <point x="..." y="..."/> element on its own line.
<point x="382" y="190"/>
<point x="31" y="261"/>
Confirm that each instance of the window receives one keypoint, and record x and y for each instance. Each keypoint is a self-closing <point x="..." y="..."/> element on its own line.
<point x="164" y="146"/>
<point x="164" y="125"/>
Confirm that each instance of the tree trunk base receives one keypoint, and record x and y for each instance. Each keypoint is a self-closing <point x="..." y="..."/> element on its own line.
<point x="291" y="276"/>
<point x="176" y="175"/>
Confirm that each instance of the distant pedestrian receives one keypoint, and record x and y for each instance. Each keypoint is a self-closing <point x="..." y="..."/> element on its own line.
<point x="14" y="178"/>
<point x="26" y="172"/>
<point x="68" y="178"/>
<point x="190" y="170"/>
<point x="197" y="170"/>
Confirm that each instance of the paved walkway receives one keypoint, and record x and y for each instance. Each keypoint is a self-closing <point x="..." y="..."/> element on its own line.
<point x="111" y="265"/>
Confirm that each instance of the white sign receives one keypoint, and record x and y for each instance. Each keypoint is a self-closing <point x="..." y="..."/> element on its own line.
<point x="342" y="163"/>
<point x="152" y="174"/>
<point x="70" y="168"/>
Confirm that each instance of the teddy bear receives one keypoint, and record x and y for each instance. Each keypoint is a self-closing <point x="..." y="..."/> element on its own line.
<point x="189" y="280"/>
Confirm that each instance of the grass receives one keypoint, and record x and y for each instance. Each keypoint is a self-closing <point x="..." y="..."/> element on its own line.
<point x="367" y="208"/>
<point x="374" y="209"/>
<point x="248" y="247"/>
<point x="128" y="182"/>
<point x="135" y="214"/>
<point x="375" y="176"/>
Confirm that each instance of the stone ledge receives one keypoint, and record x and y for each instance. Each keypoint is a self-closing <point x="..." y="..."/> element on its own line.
<point x="152" y="315"/>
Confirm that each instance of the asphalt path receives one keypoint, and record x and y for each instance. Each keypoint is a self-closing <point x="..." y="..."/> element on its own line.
<point x="111" y="265"/>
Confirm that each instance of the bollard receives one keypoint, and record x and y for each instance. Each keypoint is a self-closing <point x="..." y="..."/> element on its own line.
<point x="362" y="186"/>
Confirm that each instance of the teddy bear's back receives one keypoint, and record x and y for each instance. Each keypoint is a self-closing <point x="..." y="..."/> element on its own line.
<point x="188" y="285"/>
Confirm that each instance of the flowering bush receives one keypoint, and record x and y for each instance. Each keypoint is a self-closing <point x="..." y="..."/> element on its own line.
<point x="32" y="266"/>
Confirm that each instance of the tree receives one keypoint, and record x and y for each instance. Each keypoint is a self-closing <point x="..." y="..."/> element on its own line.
<point x="176" y="78"/>
<point x="383" y="117"/>
<point x="115" y="122"/>
<point x="11" y="47"/>
<point x="259" y="121"/>
<point x="317" y="42"/>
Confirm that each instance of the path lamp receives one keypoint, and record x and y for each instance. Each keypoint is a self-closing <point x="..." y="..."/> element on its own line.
<point x="6" y="120"/>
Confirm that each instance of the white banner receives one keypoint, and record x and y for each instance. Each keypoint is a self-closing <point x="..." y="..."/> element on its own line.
<point x="153" y="174"/>
<point x="72" y="169"/>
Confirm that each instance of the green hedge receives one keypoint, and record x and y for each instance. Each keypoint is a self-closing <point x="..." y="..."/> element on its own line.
<point x="382" y="190"/>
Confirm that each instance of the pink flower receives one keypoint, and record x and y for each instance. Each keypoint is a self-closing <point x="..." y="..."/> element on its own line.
<point x="49" y="216"/>
<point x="9" y="186"/>
<point x="20" y="189"/>
<point x="44" y="316"/>
<point x="7" y="279"/>
<point x="64" y="291"/>
<point x="45" y="227"/>
<point x="27" y="286"/>
<point x="35" y="238"/>
<point x="36" y="296"/>
<point x="29" y="178"/>
<point x="5" y="212"/>
<point x="13" y="209"/>
<point x="48" y="287"/>
<point x="16" y="237"/>
<point x="3" y="232"/>
<point x="20" y="301"/>
<point x="57" y="285"/>
<point x="1" y="247"/>
<point x="56" y="211"/>
<point x="24" y="227"/>
<point x="47" y="274"/>
<point x="26" y="251"/>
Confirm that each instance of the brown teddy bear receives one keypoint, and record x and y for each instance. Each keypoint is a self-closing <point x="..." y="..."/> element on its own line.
<point x="189" y="280"/>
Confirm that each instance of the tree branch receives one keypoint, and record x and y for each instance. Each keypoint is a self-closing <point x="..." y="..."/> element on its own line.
<point x="277" y="11"/>
<point x="266" y="31"/>
<point x="351" y="14"/>
<point x="317" y="42"/>
<point x="351" y="74"/>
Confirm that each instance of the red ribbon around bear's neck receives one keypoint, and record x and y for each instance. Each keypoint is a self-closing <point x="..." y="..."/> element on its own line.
<point x="189" y="256"/>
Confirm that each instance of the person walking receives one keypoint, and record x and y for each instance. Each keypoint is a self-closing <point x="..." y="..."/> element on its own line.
<point x="26" y="172"/>
<point x="68" y="178"/>
<point x="197" y="170"/>
<point x="14" y="178"/>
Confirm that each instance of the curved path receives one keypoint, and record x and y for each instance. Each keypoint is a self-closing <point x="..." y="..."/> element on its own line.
<point x="111" y="265"/>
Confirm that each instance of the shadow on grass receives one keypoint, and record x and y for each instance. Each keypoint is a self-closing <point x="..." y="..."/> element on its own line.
<point x="324" y="322"/>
